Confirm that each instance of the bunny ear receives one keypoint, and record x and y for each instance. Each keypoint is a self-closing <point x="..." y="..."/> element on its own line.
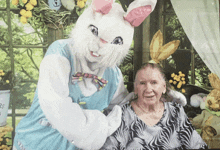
<point x="168" y="49"/>
<point x="156" y="44"/>
<point x="138" y="10"/>
<point x="102" y="6"/>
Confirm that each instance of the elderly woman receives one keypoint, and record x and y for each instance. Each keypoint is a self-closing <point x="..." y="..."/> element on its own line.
<point x="150" y="121"/>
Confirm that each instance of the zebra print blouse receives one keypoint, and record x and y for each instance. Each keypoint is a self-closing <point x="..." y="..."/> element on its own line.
<point x="173" y="131"/>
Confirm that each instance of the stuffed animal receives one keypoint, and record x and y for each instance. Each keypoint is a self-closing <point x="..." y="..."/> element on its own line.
<point x="79" y="78"/>
<point x="209" y="119"/>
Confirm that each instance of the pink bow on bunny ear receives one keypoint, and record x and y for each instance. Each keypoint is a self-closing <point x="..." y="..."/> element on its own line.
<point x="102" y="6"/>
<point x="138" y="10"/>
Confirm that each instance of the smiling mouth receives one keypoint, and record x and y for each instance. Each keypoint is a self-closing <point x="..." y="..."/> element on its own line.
<point x="94" y="54"/>
<point x="149" y="96"/>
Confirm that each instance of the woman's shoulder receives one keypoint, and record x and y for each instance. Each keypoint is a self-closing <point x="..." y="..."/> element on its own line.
<point x="125" y="106"/>
<point x="173" y="104"/>
<point x="174" y="107"/>
<point x="127" y="110"/>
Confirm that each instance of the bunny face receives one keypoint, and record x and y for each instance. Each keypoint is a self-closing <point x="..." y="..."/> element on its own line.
<point x="103" y="39"/>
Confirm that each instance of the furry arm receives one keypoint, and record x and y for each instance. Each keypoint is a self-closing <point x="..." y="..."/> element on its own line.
<point x="178" y="97"/>
<point x="86" y="129"/>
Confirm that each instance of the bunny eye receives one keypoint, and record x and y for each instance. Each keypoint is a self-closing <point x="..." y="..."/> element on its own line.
<point x="93" y="29"/>
<point x="118" y="41"/>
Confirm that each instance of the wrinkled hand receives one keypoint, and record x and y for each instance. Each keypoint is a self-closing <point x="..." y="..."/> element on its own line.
<point x="114" y="119"/>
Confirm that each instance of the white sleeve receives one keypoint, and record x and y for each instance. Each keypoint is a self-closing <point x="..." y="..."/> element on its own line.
<point x="178" y="97"/>
<point x="84" y="128"/>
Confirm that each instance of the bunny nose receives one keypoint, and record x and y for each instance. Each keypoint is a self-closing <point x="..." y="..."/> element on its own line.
<point x="103" y="41"/>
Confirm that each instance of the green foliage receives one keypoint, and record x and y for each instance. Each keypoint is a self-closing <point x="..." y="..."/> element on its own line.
<point x="174" y="31"/>
<point x="127" y="66"/>
<point x="26" y="60"/>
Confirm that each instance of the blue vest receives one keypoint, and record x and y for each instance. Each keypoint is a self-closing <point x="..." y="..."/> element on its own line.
<point x="34" y="132"/>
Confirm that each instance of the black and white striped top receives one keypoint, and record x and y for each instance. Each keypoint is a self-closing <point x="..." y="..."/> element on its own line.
<point x="173" y="131"/>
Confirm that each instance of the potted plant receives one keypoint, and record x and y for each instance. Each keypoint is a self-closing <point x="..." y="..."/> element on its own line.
<point x="5" y="87"/>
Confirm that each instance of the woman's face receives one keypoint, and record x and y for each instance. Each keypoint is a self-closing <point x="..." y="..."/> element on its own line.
<point x="149" y="85"/>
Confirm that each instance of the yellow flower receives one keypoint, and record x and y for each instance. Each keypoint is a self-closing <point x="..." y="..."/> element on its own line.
<point x="179" y="85"/>
<point x="182" y="75"/>
<point x="3" y="73"/>
<point x="28" y="14"/>
<point x="14" y="2"/>
<point x="22" y="12"/>
<point x="1" y="70"/>
<point x="183" y="79"/>
<point x="23" y="20"/>
<point x="7" y="81"/>
<point x="24" y="1"/>
<point x="173" y="75"/>
<point x="33" y="2"/>
<point x="184" y="82"/>
<point x="29" y="6"/>
<point x="174" y="82"/>
<point x="80" y="4"/>
<point x="183" y="91"/>
<point x="171" y="81"/>
<point x="180" y="72"/>
<point x="177" y="78"/>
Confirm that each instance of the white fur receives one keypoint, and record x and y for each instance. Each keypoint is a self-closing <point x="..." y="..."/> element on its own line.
<point x="139" y="3"/>
<point x="178" y="97"/>
<point x="87" y="129"/>
<point x="109" y="27"/>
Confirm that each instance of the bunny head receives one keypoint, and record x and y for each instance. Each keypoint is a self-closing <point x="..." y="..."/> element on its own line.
<point x="104" y="32"/>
